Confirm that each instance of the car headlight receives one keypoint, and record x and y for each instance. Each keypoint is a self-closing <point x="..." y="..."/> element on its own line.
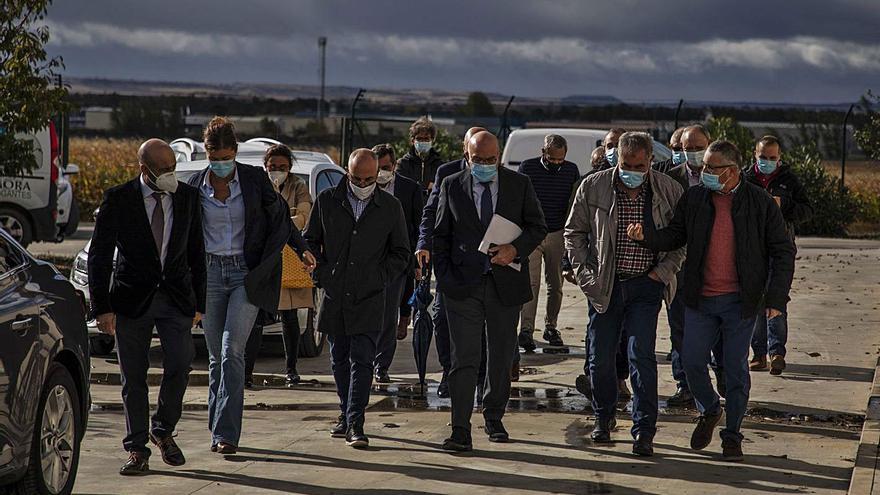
<point x="80" y="272"/>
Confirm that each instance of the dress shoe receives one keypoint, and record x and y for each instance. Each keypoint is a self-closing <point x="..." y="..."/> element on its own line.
<point x="495" y="429"/>
<point x="583" y="385"/>
<point x="553" y="337"/>
<point x="356" y="438"/>
<point x="758" y="363"/>
<point x="623" y="393"/>
<point x="731" y="450"/>
<point x="340" y="428"/>
<point x="602" y="430"/>
<point x="460" y="441"/>
<point x="526" y="341"/>
<point x="643" y="446"/>
<point x="777" y="364"/>
<point x="224" y="448"/>
<point x="443" y="388"/>
<point x="292" y="379"/>
<point x="702" y="436"/>
<point x="136" y="465"/>
<point x="171" y="453"/>
<point x="382" y="376"/>
<point x="682" y="398"/>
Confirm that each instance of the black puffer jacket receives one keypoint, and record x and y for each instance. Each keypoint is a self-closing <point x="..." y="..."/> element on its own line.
<point x="764" y="252"/>
<point x="413" y="167"/>
<point x="794" y="202"/>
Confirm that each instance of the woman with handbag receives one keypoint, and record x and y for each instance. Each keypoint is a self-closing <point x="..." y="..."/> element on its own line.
<point x="296" y="283"/>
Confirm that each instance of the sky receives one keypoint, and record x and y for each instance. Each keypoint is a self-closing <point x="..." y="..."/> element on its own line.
<point x="794" y="51"/>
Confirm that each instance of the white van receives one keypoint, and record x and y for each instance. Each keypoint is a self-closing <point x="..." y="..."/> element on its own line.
<point x="523" y="144"/>
<point x="28" y="202"/>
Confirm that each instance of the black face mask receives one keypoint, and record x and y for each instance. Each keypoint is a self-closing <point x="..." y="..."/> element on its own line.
<point x="551" y="166"/>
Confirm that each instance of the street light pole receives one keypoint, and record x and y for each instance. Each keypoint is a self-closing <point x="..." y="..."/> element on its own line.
<point x="843" y="148"/>
<point x="322" y="49"/>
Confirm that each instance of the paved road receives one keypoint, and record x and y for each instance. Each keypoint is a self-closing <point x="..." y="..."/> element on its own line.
<point x="801" y="435"/>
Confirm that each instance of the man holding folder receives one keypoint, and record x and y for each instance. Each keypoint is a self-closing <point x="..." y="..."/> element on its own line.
<point x="484" y="204"/>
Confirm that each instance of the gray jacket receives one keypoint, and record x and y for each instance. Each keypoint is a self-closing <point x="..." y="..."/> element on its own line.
<point x="591" y="234"/>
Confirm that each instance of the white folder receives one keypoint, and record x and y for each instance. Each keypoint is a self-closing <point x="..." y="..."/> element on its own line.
<point x="501" y="231"/>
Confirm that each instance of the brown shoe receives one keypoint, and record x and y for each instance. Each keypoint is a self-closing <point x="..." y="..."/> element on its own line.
<point x="777" y="364"/>
<point x="171" y="453"/>
<point x="514" y="372"/>
<point x="758" y="363"/>
<point x="226" y="448"/>
<point x="402" y="326"/>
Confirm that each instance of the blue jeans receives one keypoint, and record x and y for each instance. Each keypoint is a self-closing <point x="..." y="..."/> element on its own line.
<point x="229" y="317"/>
<point x="632" y="310"/>
<point x="719" y="318"/>
<point x="777" y="332"/>
<point x="351" y="360"/>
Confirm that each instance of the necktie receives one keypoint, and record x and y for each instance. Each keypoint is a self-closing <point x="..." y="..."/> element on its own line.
<point x="157" y="223"/>
<point x="486" y="212"/>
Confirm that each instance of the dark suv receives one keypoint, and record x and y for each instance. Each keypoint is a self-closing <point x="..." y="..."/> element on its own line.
<point x="44" y="375"/>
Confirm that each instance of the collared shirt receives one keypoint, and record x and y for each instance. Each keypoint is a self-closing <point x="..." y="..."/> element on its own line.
<point x="631" y="258"/>
<point x="478" y="193"/>
<point x="693" y="177"/>
<point x="223" y="222"/>
<point x="357" y="205"/>
<point x="167" y="208"/>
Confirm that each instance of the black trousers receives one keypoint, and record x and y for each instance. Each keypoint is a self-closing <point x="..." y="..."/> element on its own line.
<point x="351" y="360"/>
<point x="133" y="337"/>
<point x="387" y="344"/>
<point x="289" y="334"/>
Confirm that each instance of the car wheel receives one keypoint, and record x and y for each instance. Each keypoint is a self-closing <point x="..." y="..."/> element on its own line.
<point x="57" y="434"/>
<point x="16" y="224"/>
<point x="102" y="345"/>
<point x="312" y="341"/>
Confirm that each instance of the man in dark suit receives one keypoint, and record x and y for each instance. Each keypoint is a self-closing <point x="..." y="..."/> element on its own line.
<point x="359" y="237"/>
<point x="483" y="289"/>
<point x="423" y="258"/>
<point x="398" y="312"/>
<point x="154" y="223"/>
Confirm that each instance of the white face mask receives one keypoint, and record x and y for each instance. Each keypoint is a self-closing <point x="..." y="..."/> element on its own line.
<point x="385" y="177"/>
<point x="362" y="193"/>
<point x="278" y="177"/>
<point x="166" y="182"/>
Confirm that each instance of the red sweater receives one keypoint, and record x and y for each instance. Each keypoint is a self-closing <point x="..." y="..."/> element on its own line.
<point x="719" y="271"/>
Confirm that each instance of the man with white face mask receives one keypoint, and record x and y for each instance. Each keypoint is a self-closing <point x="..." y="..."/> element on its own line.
<point x="359" y="237"/>
<point x="398" y="312"/>
<point x="159" y="281"/>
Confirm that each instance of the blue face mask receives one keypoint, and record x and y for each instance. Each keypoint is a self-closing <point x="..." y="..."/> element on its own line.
<point x="422" y="147"/>
<point x="630" y="178"/>
<point x="611" y="156"/>
<point x="695" y="158"/>
<point x="678" y="157"/>
<point x="711" y="181"/>
<point x="484" y="172"/>
<point x="222" y="169"/>
<point x="766" y="167"/>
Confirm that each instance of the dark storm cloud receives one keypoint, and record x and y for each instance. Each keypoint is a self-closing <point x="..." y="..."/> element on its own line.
<point x="791" y="51"/>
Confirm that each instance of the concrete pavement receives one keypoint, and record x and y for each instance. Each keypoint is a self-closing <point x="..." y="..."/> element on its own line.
<point x="802" y="433"/>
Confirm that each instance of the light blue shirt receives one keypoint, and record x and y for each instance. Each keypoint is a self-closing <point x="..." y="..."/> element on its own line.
<point x="478" y="193"/>
<point x="223" y="223"/>
<point x="357" y="205"/>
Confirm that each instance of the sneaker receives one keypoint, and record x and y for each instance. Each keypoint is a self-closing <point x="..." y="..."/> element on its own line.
<point x="340" y="428"/>
<point x="553" y="337"/>
<point x="602" y="430"/>
<point x="777" y="364"/>
<point x="731" y="450"/>
<point x="526" y="341"/>
<point x="623" y="393"/>
<point x="702" y="436"/>
<point x="136" y="465"/>
<point x="460" y="441"/>
<point x="758" y="363"/>
<point x="582" y="384"/>
<point x="682" y="398"/>
<point x="356" y="438"/>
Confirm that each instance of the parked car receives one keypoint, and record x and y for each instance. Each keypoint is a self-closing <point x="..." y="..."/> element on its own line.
<point x="523" y="144"/>
<point x="316" y="169"/>
<point x="68" y="208"/>
<point x="44" y="375"/>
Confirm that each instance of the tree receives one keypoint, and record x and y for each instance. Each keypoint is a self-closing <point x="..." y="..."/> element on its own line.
<point x="868" y="136"/>
<point x="478" y="105"/>
<point x="730" y="130"/>
<point x="29" y="97"/>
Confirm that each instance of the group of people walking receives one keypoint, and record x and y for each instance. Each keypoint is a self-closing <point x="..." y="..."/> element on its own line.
<point x="711" y="238"/>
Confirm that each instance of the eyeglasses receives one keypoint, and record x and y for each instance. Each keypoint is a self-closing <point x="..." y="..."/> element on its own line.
<point x="711" y="168"/>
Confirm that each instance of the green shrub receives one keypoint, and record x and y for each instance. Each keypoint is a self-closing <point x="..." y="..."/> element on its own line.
<point x="834" y="207"/>
<point x="728" y="129"/>
<point x="447" y="145"/>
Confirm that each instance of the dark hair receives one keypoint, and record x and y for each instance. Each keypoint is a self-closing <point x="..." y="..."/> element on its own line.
<point x="423" y="124"/>
<point x="278" y="150"/>
<point x="727" y="149"/>
<point x="383" y="150"/>
<point x="770" y="140"/>
<point x="556" y="142"/>
<point x="220" y="134"/>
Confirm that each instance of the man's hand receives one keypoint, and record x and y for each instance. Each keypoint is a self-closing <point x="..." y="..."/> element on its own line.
<point x="773" y="313"/>
<point x="634" y="231"/>
<point x="309" y="261"/>
<point x="423" y="257"/>
<point x="569" y="275"/>
<point x="778" y="200"/>
<point x="107" y="323"/>
<point x="197" y="318"/>
<point x="653" y="276"/>
<point x="502" y="255"/>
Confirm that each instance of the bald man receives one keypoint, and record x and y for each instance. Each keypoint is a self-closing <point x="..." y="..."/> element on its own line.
<point x="423" y="258"/>
<point x="483" y="289"/>
<point x="358" y="235"/>
<point x="154" y="223"/>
